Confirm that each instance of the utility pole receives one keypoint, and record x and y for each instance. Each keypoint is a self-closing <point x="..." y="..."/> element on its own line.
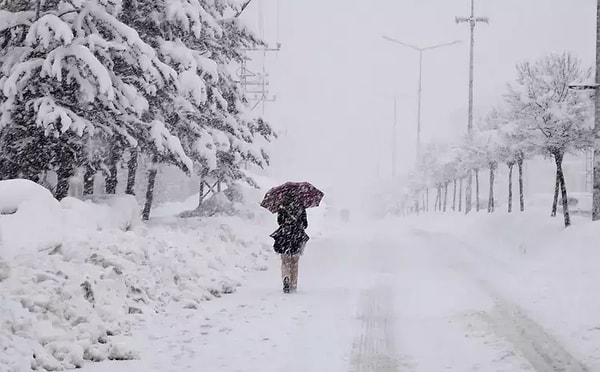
<point x="472" y="20"/>
<point x="394" y="135"/>
<point x="596" y="149"/>
<point x="256" y="84"/>
<point x="260" y="92"/>
<point x="419" y="89"/>
<point x="596" y="177"/>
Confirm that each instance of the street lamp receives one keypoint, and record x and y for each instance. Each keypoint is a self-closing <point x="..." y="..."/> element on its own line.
<point x="420" y="50"/>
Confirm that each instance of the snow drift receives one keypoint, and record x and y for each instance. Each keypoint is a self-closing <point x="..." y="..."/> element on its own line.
<point x="77" y="275"/>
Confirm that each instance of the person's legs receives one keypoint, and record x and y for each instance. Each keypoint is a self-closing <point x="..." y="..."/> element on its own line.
<point x="286" y="271"/>
<point x="294" y="271"/>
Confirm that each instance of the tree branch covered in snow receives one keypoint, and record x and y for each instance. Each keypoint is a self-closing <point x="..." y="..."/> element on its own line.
<point x="104" y="73"/>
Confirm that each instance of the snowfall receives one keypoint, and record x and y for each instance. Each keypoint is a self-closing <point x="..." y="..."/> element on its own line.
<point x="86" y="284"/>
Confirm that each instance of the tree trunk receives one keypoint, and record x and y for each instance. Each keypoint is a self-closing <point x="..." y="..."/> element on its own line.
<point x="521" y="191"/>
<point x="132" y="166"/>
<point x="563" y="189"/>
<point x="111" y="177"/>
<point x="477" y="189"/>
<point x="454" y="196"/>
<point x="556" y="191"/>
<point x="510" y="194"/>
<point x="460" y="189"/>
<point x="38" y="9"/>
<point x="491" y="204"/>
<point x="63" y="173"/>
<point x="201" y="192"/>
<point x="426" y="200"/>
<point x="149" y="192"/>
<point x="201" y="188"/>
<point x="445" y="196"/>
<point x="469" y="193"/>
<point x="88" y="180"/>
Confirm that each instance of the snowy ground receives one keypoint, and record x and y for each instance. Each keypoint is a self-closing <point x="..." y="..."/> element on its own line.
<point x="87" y="281"/>
<point x="437" y="293"/>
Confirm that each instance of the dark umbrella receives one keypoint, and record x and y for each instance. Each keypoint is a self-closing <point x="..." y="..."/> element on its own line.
<point x="304" y="193"/>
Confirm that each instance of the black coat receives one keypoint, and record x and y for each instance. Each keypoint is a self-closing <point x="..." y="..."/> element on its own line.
<point x="290" y="237"/>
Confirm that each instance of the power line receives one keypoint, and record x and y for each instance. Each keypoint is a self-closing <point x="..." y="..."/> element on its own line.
<point x="256" y="84"/>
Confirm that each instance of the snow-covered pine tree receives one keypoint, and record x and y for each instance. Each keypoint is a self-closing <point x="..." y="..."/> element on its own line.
<point x="557" y="117"/>
<point x="231" y="124"/>
<point x="73" y="74"/>
<point x="203" y="41"/>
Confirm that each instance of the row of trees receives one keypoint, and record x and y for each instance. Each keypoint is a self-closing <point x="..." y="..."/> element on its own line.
<point x="540" y="115"/>
<point x="92" y="86"/>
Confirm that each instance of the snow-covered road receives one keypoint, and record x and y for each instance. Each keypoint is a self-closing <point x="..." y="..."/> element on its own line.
<point x="382" y="300"/>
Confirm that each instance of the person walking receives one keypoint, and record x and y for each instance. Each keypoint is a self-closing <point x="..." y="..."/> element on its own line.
<point x="290" y="202"/>
<point x="290" y="239"/>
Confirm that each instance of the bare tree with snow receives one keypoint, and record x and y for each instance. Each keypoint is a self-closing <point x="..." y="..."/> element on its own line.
<point x="558" y="118"/>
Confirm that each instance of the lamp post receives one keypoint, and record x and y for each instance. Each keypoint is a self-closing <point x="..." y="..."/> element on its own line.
<point x="419" y="91"/>
<point x="472" y="20"/>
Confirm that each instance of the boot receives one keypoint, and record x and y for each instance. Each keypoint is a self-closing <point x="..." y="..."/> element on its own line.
<point x="286" y="284"/>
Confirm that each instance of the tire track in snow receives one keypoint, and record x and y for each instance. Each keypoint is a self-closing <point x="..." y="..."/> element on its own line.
<point x="373" y="349"/>
<point x="543" y="351"/>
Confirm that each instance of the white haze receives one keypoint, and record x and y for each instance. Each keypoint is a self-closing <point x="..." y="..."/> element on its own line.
<point x="335" y="76"/>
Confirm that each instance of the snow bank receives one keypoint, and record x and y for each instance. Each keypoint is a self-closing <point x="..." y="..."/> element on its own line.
<point x="30" y="218"/>
<point x="13" y="193"/>
<point x="103" y="212"/>
<point x="77" y="276"/>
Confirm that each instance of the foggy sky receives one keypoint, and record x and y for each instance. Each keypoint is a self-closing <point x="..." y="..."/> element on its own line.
<point x="335" y="76"/>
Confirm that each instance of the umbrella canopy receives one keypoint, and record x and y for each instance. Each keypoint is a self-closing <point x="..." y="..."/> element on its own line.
<point x="303" y="192"/>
